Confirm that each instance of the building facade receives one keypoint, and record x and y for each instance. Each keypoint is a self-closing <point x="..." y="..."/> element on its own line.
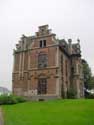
<point x="46" y="67"/>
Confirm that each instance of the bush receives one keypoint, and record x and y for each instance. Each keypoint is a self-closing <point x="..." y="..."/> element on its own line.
<point x="90" y="96"/>
<point x="71" y="93"/>
<point x="10" y="99"/>
<point x="20" y="99"/>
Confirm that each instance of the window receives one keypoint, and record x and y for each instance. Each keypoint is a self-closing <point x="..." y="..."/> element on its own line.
<point x="72" y="70"/>
<point x="66" y="65"/>
<point x="77" y="68"/>
<point x="62" y="64"/>
<point x="42" y="43"/>
<point x="61" y="59"/>
<point x="42" y="86"/>
<point x="42" y="60"/>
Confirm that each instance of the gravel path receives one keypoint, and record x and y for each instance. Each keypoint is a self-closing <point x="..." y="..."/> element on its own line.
<point x="1" y="117"/>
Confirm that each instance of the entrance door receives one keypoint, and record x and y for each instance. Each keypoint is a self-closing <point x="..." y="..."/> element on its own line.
<point x="42" y="86"/>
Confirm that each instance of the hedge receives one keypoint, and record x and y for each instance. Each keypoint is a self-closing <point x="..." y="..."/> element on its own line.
<point x="10" y="99"/>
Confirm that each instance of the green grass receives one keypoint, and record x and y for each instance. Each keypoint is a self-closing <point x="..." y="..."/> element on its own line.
<point x="58" y="112"/>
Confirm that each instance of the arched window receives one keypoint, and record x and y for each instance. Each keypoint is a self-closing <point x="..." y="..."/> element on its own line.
<point x="42" y="60"/>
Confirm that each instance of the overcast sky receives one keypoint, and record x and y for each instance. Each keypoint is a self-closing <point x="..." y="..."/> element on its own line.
<point x="67" y="18"/>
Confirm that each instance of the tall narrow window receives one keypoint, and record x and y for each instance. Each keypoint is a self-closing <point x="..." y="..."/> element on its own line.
<point x="41" y="44"/>
<point x="42" y="60"/>
<point x="62" y="64"/>
<point x="44" y="42"/>
<point x="66" y="65"/>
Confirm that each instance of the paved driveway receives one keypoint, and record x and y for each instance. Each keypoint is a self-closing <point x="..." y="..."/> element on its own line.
<point x="1" y="118"/>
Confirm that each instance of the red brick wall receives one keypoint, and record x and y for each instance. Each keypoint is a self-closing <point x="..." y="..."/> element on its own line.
<point x="23" y="80"/>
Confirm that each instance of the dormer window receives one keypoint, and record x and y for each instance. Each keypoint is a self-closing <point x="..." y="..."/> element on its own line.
<point x="42" y="43"/>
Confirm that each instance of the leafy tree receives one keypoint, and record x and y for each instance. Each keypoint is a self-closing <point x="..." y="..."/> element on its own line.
<point x="91" y="84"/>
<point x="88" y="78"/>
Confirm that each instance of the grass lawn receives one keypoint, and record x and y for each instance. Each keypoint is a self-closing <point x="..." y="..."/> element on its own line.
<point x="58" y="112"/>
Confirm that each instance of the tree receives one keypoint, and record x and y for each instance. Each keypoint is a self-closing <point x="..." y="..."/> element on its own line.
<point x="91" y="85"/>
<point x="88" y="78"/>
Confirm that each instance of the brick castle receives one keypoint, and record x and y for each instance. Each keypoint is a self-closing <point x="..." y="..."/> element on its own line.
<point x="46" y="67"/>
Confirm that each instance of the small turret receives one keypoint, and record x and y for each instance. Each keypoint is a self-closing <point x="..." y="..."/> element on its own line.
<point x="70" y="46"/>
<point x="78" y="40"/>
<point x="78" y="46"/>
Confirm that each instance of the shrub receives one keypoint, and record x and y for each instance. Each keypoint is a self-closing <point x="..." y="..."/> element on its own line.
<point x="71" y="93"/>
<point x="5" y="99"/>
<point x="10" y="99"/>
<point x="20" y="99"/>
<point x="90" y="96"/>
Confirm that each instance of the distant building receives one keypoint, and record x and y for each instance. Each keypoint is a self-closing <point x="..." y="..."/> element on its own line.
<point x="46" y="67"/>
<point x="4" y="90"/>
